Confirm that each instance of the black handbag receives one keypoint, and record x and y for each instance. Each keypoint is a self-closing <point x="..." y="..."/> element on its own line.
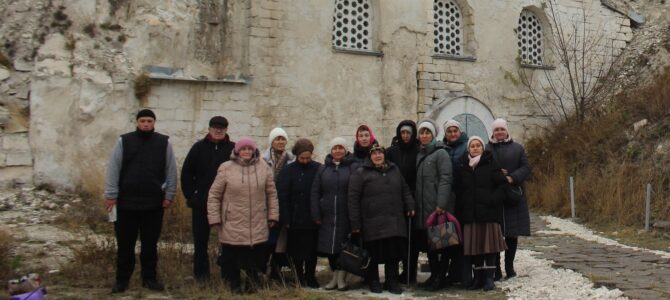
<point x="513" y="195"/>
<point x="353" y="258"/>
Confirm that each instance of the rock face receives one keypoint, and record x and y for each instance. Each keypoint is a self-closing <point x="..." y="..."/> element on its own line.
<point x="260" y="63"/>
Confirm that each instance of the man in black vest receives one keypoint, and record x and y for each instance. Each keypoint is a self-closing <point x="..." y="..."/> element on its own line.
<point x="141" y="182"/>
<point x="197" y="174"/>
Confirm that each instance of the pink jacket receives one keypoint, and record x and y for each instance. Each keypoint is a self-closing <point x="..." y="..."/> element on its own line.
<point x="242" y="200"/>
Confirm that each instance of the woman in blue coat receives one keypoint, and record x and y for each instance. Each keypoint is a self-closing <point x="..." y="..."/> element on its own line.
<point x="329" y="207"/>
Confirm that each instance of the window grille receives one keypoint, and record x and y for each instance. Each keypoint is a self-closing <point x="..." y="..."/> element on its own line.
<point x="529" y="35"/>
<point x="447" y="28"/>
<point x="352" y="23"/>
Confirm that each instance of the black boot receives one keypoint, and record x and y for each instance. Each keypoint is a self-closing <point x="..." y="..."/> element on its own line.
<point x="120" y="286"/>
<point x="372" y="277"/>
<point x="510" y="253"/>
<point x="477" y="281"/>
<point x="488" y="279"/>
<point x="153" y="285"/>
<point x="433" y="265"/>
<point x="391" y="283"/>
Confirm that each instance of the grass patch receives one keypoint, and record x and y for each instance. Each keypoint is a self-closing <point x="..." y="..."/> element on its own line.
<point x="90" y="30"/>
<point x="110" y="26"/>
<point x="5" y="61"/>
<point x="611" y="162"/>
<point x="634" y="236"/>
<point x="7" y="260"/>
<point x="142" y="85"/>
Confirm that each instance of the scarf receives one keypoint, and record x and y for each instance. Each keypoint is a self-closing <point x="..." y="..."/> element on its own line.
<point x="474" y="160"/>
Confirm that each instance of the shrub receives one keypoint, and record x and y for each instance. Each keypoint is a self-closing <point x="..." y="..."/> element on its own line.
<point x="142" y="85"/>
<point x="5" y="61"/>
<point x="610" y="161"/>
<point x="90" y="30"/>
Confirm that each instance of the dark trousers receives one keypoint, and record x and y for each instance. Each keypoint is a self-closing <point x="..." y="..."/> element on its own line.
<point x="390" y="272"/>
<point x="201" y="230"/>
<point x="130" y="223"/>
<point x="510" y="253"/>
<point x="460" y="268"/>
<point x="332" y="261"/>
<point x="233" y="259"/>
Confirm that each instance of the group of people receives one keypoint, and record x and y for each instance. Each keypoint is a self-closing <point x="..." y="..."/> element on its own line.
<point x="283" y="209"/>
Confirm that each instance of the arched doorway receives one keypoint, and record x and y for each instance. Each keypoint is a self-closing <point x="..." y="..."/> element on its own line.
<point x="474" y="116"/>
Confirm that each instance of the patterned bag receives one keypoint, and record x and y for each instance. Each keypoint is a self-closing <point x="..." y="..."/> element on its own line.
<point x="443" y="231"/>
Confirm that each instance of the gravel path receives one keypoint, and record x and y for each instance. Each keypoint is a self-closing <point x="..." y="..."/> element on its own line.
<point x="637" y="273"/>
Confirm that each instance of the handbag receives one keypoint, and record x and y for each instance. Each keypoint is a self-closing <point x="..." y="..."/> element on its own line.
<point x="443" y="230"/>
<point x="513" y="195"/>
<point x="353" y="258"/>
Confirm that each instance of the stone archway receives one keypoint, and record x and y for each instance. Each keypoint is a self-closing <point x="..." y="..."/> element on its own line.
<point x="475" y="117"/>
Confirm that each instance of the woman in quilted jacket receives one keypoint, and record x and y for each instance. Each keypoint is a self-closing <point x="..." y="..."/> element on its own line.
<point x="242" y="206"/>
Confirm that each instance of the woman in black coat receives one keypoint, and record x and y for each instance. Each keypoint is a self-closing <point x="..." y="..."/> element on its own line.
<point x="294" y="190"/>
<point x="514" y="163"/>
<point x="379" y="201"/>
<point x="329" y="207"/>
<point x="481" y="210"/>
<point x="403" y="152"/>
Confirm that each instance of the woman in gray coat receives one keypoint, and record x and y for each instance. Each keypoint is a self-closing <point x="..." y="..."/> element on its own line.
<point x="514" y="163"/>
<point x="379" y="200"/>
<point x="433" y="194"/>
<point x="329" y="207"/>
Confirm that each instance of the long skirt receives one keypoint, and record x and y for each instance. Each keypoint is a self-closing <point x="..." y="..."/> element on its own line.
<point x="301" y="243"/>
<point x="483" y="238"/>
<point x="387" y="250"/>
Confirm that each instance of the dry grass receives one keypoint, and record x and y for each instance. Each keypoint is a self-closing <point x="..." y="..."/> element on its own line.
<point x="4" y="61"/>
<point x="610" y="161"/>
<point x="7" y="262"/>
<point x="142" y="85"/>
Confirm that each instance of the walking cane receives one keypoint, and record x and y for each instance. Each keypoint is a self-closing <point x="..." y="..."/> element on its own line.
<point x="409" y="247"/>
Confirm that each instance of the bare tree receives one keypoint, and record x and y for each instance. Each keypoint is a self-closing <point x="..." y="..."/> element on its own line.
<point x="585" y="59"/>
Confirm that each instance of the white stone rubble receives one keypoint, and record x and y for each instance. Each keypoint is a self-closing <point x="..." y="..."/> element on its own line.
<point x="563" y="226"/>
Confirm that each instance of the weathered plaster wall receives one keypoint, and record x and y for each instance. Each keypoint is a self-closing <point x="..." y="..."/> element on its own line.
<point x="81" y="86"/>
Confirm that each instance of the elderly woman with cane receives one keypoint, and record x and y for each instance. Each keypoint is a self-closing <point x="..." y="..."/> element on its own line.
<point x="379" y="201"/>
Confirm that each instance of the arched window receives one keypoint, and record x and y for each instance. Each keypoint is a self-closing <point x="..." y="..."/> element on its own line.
<point x="530" y="39"/>
<point x="447" y="28"/>
<point x="352" y="24"/>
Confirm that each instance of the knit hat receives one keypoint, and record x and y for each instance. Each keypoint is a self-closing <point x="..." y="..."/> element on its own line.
<point x="451" y="123"/>
<point x="499" y="123"/>
<point x="428" y="124"/>
<point x="338" y="141"/>
<point x="407" y="128"/>
<point x="244" y="142"/>
<point x="218" y="122"/>
<point x="377" y="147"/>
<point x="275" y="133"/>
<point x="474" y="137"/>
<point x="302" y="145"/>
<point x="145" y="113"/>
<point x="364" y="127"/>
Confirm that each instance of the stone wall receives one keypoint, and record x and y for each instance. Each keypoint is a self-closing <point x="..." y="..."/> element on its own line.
<point x="259" y="63"/>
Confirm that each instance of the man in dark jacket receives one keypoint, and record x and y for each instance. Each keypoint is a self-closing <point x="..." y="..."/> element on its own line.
<point x="403" y="154"/>
<point x="141" y="182"/>
<point x="197" y="175"/>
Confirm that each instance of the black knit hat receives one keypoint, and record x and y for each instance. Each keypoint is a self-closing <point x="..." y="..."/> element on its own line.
<point x="302" y="145"/>
<point x="145" y="113"/>
<point x="218" y="122"/>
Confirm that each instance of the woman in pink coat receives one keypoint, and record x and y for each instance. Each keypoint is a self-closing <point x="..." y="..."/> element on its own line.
<point x="242" y="206"/>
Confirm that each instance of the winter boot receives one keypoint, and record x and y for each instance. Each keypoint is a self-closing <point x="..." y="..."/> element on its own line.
<point x="332" y="284"/>
<point x="342" y="280"/>
<point x="488" y="279"/>
<point x="478" y="280"/>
